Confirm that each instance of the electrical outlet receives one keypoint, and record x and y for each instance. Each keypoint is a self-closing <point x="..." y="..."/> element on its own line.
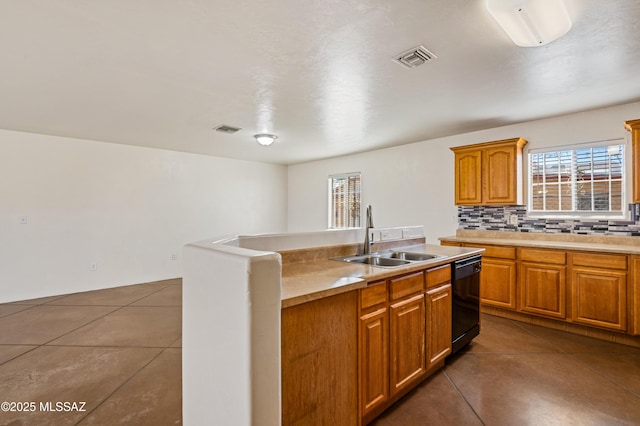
<point x="174" y="257"/>
<point x="93" y="267"/>
<point x="513" y="219"/>
<point x="22" y="220"/>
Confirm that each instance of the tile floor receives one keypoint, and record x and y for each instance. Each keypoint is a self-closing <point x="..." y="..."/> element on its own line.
<point x="522" y="374"/>
<point x="119" y="351"/>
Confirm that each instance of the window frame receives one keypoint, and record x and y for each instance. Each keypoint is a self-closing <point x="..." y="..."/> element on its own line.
<point x="331" y="223"/>
<point x="577" y="214"/>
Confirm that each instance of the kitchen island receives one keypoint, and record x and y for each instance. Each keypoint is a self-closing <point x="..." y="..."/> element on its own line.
<point x="275" y="332"/>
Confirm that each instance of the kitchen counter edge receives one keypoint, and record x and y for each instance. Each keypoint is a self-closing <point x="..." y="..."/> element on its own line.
<point x="308" y="281"/>
<point x="558" y="245"/>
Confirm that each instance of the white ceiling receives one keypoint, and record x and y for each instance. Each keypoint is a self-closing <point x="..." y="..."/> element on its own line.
<point x="317" y="73"/>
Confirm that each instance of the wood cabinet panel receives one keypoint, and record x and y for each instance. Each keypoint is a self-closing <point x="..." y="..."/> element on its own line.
<point x="320" y="336"/>
<point x="543" y="256"/>
<point x="374" y="360"/>
<point x="499" y="175"/>
<point x="501" y="252"/>
<point x="395" y="349"/>
<point x="543" y="289"/>
<point x="600" y="298"/>
<point x="438" y="324"/>
<point x="406" y="285"/>
<point x="489" y="173"/>
<point x="450" y="244"/>
<point x="598" y="260"/>
<point x="374" y="294"/>
<point x="438" y="276"/>
<point x="498" y="283"/>
<point x="468" y="177"/>
<point x="407" y="342"/>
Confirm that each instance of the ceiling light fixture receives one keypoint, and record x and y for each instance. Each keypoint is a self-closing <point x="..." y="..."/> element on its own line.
<point x="531" y="23"/>
<point x="265" y="139"/>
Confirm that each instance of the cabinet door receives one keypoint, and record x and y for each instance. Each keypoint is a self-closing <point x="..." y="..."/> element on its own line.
<point x="374" y="360"/>
<point x="543" y="289"/>
<point x="498" y="283"/>
<point x="500" y="175"/>
<point x="600" y="298"/>
<point x="468" y="177"/>
<point x="438" y="324"/>
<point x="407" y="342"/>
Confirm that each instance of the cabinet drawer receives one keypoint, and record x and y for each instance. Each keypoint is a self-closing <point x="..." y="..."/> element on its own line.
<point x="438" y="276"/>
<point x="543" y="256"/>
<point x="597" y="260"/>
<point x="407" y="285"/>
<point x="373" y="295"/>
<point x="496" y="251"/>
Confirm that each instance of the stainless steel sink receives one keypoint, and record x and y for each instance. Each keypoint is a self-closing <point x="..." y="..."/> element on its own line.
<point x="389" y="259"/>
<point x="407" y="255"/>
<point x="375" y="260"/>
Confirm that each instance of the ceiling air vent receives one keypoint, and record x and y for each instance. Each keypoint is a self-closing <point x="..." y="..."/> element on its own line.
<point x="415" y="57"/>
<point x="227" y="129"/>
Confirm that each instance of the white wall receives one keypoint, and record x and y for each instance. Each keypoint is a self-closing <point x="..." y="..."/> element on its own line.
<point x="413" y="184"/>
<point x="127" y="209"/>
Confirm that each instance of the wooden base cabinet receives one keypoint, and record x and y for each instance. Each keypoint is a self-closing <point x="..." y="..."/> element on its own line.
<point x="407" y="342"/>
<point x="600" y="298"/>
<point x="498" y="283"/>
<point x="543" y="290"/>
<point x="438" y="324"/>
<point x="405" y="334"/>
<point x="498" y="276"/>
<point x="374" y="359"/>
<point x="542" y="282"/>
<point x="373" y="349"/>
<point x="599" y="290"/>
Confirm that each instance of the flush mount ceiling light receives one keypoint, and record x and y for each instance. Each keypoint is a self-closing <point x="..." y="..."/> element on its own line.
<point x="531" y="23"/>
<point x="265" y="139"/>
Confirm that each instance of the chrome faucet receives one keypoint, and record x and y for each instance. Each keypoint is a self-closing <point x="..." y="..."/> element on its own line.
<point x="366" y="248"/>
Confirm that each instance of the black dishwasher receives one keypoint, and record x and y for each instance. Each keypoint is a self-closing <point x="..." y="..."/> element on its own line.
<point x="465" y="310"/>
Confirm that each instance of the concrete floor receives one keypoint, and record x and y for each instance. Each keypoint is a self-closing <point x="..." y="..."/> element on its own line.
<point x="118" y="351"/>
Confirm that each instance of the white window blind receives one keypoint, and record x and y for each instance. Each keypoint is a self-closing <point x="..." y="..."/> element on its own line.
<point x="581" y="180"/>
<point x="344" y="200"/>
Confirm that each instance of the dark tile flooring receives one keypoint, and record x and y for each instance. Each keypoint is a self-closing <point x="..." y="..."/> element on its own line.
<point x="522" y="374"/>
<point x="119" y="351"/>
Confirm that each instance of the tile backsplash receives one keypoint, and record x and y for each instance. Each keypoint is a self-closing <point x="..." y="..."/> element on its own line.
<point x="501" y="218"/>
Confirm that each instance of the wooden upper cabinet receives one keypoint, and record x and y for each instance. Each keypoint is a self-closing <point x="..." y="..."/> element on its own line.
<point x="634" y="127"/>
<point x="468" y="179"/>
<point x="489" y="173"/>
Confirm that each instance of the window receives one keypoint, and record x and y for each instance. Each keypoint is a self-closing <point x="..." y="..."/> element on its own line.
<point x="579" y="180"/>
<point x="344" y="200"/>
